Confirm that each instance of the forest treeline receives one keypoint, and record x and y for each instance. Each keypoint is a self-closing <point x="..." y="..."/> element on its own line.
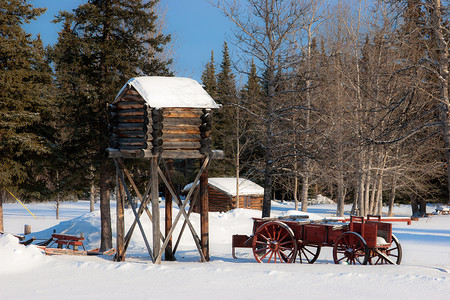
<point x="347" y="98"/>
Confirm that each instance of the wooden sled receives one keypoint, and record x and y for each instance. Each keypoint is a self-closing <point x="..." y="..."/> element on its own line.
<point x="96" y="251"/>
<point x="68" y="245"/>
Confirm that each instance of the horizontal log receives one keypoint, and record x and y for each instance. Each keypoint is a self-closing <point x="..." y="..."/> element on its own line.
<point x="182" y="122"/>
<point x="119" y="130"/>
<point x="118" y="144"/>
<point x="169" y="145"/>
<point x="131" y="97"/>
<point x="126" y="147"/>
<point x="131" y="140"/>
<point x="181" y="137"/>
<point x="131" y="134"/>
<point x="188" y="129"/>
<point x="182" y="154"/>
<point x="182" y="113"/>
<point x="134" y="112"/>
<point x="115" y="153"/>
<point x="133" y="119"/>
<point x="134" y="126"/>
<point x="130" y="105"/>
<point x="132" y="91"/>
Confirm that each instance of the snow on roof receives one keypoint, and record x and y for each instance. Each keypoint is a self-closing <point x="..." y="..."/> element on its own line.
<point x="228" y="186"/>
<point x="160" y="91"/>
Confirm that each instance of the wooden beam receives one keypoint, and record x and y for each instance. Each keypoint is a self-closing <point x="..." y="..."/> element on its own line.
<point x="168" y="255"/>
<point x="204" y="213"/>
<point x="182" y="211"/>
<point x="136" y="217"/>
<point x="155" y="206"/>
<point x="120" y="221"/>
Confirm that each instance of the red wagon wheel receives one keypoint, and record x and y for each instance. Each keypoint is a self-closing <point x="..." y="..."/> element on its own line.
<point x="350" y="248"/>
<point x="394" y="252"/>
<point x="308" y="253"/>
<point x="274" y="242"/>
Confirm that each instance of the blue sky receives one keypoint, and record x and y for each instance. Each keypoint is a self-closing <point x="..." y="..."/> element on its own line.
<point x="196" y="26"/>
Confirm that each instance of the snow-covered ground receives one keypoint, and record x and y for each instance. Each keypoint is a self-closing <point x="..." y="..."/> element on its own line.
<point x="25" y="273"/>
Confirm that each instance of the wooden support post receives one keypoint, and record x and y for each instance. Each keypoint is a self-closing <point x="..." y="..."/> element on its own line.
<point x="155" y="206"/>
<point x="168" y="222"/>
<point x="204" y="209"/>
<point x="120" y="221"/>
<point x="27" y="229"/>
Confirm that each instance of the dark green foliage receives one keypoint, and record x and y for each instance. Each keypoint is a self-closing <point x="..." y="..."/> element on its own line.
<point x="224" y="122"/>
<point x="102" y="45"/>
<point x="209" y="77"/>
<point x="25" y="105"/>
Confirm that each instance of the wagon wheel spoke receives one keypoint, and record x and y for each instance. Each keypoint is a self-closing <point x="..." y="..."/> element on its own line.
<point x="262" y="249"/>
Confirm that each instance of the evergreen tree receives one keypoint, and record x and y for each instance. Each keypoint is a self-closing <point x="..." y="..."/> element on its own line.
<point x="209" y="77"/>
<point x="103" y="44"/>
<point x="24" y="80"/>
<point x="224" y="119"/>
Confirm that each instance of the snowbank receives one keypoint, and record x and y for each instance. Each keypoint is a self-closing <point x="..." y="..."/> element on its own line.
<point x="25" y="273"/>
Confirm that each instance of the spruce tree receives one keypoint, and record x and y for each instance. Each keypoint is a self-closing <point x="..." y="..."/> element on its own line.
<point x="209" y="77"/>
<point x="103" y="44"/>
<point x="24" y="81"/>
<point x="224" y="119"/>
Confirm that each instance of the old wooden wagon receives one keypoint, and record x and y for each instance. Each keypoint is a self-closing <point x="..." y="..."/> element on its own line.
<point x="223" y="194"/>
<point x="362" y="241"/>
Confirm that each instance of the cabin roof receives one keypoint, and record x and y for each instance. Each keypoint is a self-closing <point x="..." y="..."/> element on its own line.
<point x="160" y="92"/>
<point x="228" y="186"/>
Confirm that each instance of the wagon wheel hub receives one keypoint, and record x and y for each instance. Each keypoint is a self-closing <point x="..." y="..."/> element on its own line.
<point x="273" y="245"/>
<point x="349" y="252"/>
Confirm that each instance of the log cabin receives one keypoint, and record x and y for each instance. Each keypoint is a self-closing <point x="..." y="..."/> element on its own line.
<point x="154" y="115"/>
<point x="222" y="193"/>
